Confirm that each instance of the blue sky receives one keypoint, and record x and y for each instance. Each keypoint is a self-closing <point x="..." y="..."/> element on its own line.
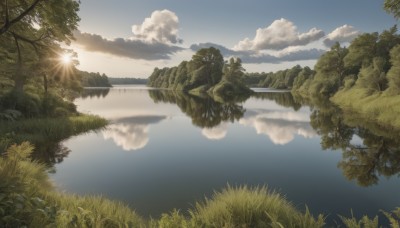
<point x="290" y="32"/>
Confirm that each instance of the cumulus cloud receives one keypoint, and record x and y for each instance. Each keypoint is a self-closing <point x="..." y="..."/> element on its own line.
<point x="129" y="48"/>
<point x="131" y="133"/>
<point x="253" y="57"/>
<point x="161" y="26"/>
<point x="216" y="133"/>
<point x="280" y="34"/>
<point x="280" y="127"/>
<point x="342" y="34"/>
<point x="154" y="39"/>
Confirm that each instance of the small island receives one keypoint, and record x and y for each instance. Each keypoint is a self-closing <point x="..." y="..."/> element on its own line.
<point x="206" y="72"/>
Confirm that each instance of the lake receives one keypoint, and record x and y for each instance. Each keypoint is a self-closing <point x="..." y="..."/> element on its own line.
<point x="165" y="150"/>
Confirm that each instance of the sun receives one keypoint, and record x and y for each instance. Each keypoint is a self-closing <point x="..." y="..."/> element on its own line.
<point x="66" y="59"/>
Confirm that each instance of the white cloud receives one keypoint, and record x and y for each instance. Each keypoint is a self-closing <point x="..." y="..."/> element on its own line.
<point x="154" y="39"/>
<point x="280" y="34"/>
<point x="342" y="34"/>
<point x="215" y="133"/>
<point x="161" y="26"/>
<point x="286" y="55"/>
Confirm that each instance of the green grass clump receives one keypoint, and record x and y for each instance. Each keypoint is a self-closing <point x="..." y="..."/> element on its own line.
<point x="43" y="130"/>
<point x="244" y="207"/>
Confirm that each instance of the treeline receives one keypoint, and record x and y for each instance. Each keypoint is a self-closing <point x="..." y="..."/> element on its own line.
<point x="369" y="63"/>
<point x="127" y="81"/>
<point x="205" y="72"/>
<point x="91" y="79"/>
<point x="286" y="79"/>
<point x="363" y="78"/>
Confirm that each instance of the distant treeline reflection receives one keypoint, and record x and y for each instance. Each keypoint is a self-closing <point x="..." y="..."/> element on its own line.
<point x="94" y="92"/>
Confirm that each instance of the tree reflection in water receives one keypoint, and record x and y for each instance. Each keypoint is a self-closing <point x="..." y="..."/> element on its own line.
<point x="204" y="111"/>
<point x="377" y="154"/>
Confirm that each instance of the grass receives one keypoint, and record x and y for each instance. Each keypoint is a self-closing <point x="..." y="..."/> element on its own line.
<point x="28" y="199"/>
<point x="380" y="108"/>
<point x="43" y="130"/>
<point x="245" y="207"/>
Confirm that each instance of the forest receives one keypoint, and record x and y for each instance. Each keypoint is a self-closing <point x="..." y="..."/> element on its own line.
<point x="91" y="79"/>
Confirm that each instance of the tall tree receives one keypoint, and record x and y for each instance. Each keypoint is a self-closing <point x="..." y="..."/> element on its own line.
<point x="330" y="71"/>
<point x="28" y="26"/>
<point x="362" y="50"/>
<point x="373" y="77"/>
<point x="233" y="70"/>
<point x="212" y="61"/>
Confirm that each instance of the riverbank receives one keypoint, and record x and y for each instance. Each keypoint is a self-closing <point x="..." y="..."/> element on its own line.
<point x="381" y="108"/>
<point x="28" y="199"/>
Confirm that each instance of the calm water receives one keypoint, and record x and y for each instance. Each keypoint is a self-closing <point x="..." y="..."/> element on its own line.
<point x="165" y="150"/>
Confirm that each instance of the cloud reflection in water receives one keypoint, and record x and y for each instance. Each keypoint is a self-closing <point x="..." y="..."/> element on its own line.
<point x="131" y="133"/>
<point x="216" y="133"/>
<point x="280" y="126"/>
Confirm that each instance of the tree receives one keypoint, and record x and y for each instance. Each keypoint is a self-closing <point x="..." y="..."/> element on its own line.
<point x="233" y="71"/>
<point x="212" y="61"/>
<point x="33" y="26"/>
<point x="304" y="74"/>
<point x="362" y="50"/>
<point x="373" y="77"/>
<point x="330" y="71"/>
<point x="392" y="7"/>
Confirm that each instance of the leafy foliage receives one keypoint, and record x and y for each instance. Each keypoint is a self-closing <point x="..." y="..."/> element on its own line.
<point x="393" y="7"/>
<point x="205" y="72"/>
<point x="90" y="79"/>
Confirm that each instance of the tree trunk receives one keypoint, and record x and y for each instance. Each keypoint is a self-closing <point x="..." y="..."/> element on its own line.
<point x="45" y="83"/>
<point x="19" y="79"/>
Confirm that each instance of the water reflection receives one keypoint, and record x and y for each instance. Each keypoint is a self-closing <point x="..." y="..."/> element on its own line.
<point x="94" y="93"/>
<point x="50" y="153"/>
<point x="216" y="133"/>
<point x="376" y="153"/>
<point x="131" y="133"/>
<point x="279" y="126"/>
<point x="284" y="99"/>
<point x="204" y="111"/>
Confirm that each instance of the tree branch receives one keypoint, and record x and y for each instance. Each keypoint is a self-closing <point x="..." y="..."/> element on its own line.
<point x="31" y="42"/>
<point x="9" y="23"/>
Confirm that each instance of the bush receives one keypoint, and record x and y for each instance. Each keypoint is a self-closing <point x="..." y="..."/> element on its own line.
<point x="26" y="103"/>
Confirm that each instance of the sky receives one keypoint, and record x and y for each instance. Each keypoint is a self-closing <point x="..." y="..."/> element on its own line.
<point x="129" y="38"/>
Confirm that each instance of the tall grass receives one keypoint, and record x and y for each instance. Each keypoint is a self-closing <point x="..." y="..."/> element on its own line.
<point x="44" y="130"/>
<point x="244" y="207"/>
<point x="381" y="108"/>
